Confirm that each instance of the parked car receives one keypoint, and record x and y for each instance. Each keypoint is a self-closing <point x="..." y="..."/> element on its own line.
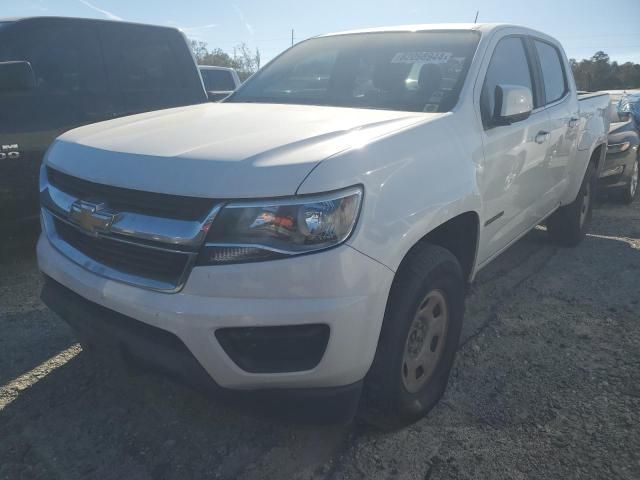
<point x="59" y="73"/>
<point x="629" y="106"/>
<point x="620" y="172"/>
<point x="314" y="233"/>
<point x="220" y="82"/>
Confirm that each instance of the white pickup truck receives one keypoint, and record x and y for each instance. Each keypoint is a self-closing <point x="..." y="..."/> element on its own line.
<point x="315" y="232"/>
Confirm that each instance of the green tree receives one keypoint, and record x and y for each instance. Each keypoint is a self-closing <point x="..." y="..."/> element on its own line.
<point x="600" y="73"/>
<point x="243" y="61"/>
<point x="199" y="49"/>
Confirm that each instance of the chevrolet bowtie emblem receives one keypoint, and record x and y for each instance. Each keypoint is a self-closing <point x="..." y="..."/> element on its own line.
<point x="93" y="218"/>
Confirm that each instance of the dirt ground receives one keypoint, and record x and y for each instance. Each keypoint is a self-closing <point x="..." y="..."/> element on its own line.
<point x="546" y="385"/>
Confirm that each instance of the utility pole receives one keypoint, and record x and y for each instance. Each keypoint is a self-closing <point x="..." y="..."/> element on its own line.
<point x="292" y="37"/>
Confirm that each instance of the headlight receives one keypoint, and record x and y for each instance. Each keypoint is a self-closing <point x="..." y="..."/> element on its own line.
<point x="618" y="147"/>
<point x="269" y="229"/>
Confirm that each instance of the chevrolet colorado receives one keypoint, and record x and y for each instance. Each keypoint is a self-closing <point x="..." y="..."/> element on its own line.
<point x="315" y="231"/>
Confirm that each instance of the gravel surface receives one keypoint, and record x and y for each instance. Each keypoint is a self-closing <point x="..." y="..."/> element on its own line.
<point x="546" y="385"/>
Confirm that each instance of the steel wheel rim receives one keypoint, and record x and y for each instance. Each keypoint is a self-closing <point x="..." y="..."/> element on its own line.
<point x="633" y="186"/>
<point x="586" y="200"/>
<point x="426" y="341"/>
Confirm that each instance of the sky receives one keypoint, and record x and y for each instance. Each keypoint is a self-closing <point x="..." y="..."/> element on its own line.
<point x="582" y="26"/>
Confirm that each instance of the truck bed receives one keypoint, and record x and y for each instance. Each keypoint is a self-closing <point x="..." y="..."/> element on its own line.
<point x="588" y="95"/>
<point x="594" y="117"/>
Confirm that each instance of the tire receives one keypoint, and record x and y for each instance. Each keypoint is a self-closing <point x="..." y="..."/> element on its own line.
<point x="430" y="280"/>
<point x="569" y="224"/>
<point x="629" y="193"/>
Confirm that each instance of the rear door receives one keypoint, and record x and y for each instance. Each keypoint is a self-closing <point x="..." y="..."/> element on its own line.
<point x="152" y="68"/>
<point x="563" y="111"/>
<point x="514" y="156"/>
<point x="66" y="62"/>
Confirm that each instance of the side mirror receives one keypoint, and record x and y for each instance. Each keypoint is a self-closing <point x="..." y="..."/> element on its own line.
<point x="513" y="104"/>
<point x="16" y="76"/>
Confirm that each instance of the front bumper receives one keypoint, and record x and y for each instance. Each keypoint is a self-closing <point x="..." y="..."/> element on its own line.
<point x="340" y="288"/>
<point x="157" y="350"/>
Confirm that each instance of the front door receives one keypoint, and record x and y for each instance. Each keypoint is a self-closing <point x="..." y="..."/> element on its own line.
<point x="514" y="155"/>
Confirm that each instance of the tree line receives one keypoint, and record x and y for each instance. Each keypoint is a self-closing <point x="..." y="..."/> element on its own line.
<point x="600" y="73"/>
<point x="591" y="74"/>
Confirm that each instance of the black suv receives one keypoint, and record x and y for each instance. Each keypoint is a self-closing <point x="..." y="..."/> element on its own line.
<point x="59" y="73"/>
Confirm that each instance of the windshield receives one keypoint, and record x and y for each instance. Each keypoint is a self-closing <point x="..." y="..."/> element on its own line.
<point x="217" y="80"/>
<point x="410" y="71"/>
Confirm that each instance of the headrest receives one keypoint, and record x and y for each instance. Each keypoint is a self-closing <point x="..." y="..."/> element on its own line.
<point x="430" y="77"/>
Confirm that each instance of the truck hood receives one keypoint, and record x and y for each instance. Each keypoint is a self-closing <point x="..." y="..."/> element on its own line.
<point x="224" y="150"/>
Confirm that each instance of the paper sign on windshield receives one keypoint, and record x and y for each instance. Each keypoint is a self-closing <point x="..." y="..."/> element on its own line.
<point x="421" y="57"/>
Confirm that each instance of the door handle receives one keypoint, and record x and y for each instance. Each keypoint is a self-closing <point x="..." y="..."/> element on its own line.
<point x="542" y="136"/>
<point x="573" y="122"/>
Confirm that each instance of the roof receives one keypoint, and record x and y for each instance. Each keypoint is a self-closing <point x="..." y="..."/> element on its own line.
<point x="80" y="19"/>
<point x="484" y="27"/>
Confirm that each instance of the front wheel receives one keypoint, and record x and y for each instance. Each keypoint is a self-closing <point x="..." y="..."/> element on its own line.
<point x="569" y="224"/>
<point x="418" y="341"/>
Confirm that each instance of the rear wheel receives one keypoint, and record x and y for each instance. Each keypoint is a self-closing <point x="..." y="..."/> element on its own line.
<point x="631" y="190"/>
<point x="569" y="224"/>
<point x="418" y="341"/>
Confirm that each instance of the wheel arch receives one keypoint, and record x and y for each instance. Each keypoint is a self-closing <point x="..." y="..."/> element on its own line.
<point x="584" y="158"/>
<point x="598" y="155"/>
<point x="459" y="234"/>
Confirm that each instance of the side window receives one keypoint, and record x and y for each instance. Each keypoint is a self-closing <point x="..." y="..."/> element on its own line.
<point x="508" y="65"/>
<point x="220" y="80"/>
<point x="6" y="42"/>
<point x="555" y="81"/>
<point x="65" y="58"/>
<point x="145" y="61"/>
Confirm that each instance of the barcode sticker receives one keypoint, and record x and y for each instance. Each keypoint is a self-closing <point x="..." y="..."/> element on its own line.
<point x="421" y="57"/>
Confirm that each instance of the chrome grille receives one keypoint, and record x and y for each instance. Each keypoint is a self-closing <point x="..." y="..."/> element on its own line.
<point x="157" y="264"/>
<point x="140" y="238"/>
<point x="135" y="201"/>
